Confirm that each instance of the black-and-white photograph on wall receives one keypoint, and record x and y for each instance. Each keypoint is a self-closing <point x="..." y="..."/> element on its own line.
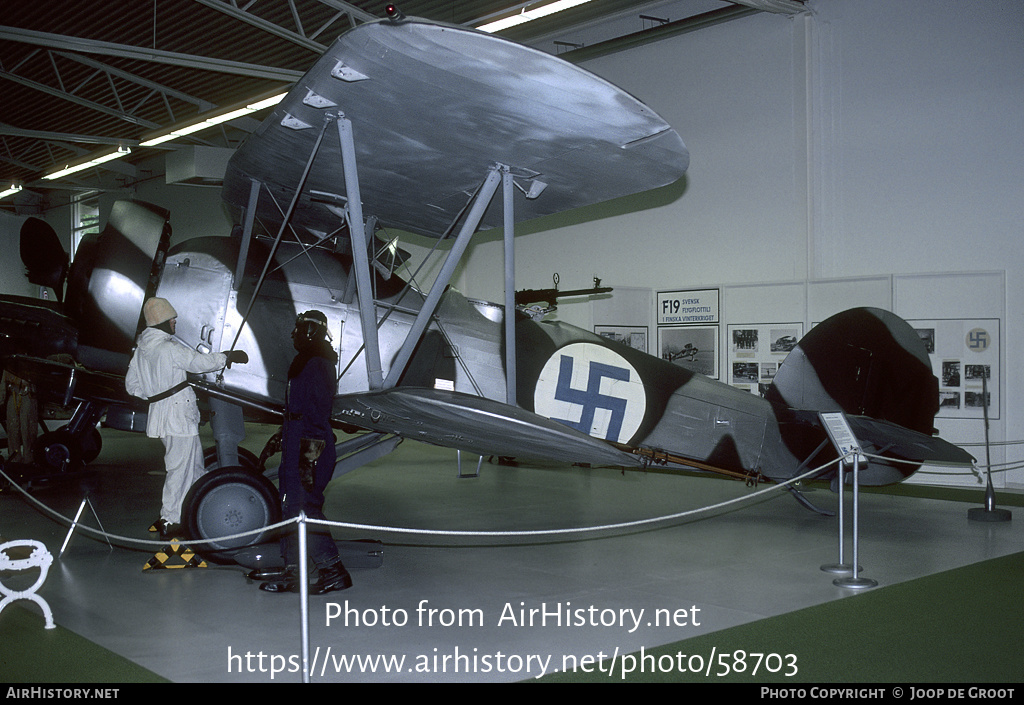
<point x="692" y="347"/>
<point x="965" y="358"/>
<point x="633" y="336"/>
<point x="756" y="351"/>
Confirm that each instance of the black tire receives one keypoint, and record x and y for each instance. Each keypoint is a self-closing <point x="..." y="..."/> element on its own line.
<point x="57" y="451"/>
<point x="62" y="451"/>
<point x="225" y="502"/>
<point x="247" y="460"/>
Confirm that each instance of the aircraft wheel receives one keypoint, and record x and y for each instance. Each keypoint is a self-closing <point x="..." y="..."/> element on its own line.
<point x="225" y="502"/>
<point x="61" y="450"/>
<point x="247" y="460"/>
<point x="57" y="451"/>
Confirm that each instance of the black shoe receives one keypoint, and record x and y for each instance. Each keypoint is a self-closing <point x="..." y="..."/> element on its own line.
<point x="262" y="574"/>
<point x="287" y="581"/>
<point x="331" y="578"/>
<point x="280" y="586"/>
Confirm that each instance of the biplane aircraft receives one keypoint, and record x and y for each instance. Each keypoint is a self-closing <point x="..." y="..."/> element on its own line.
<point x="418" y="126"/>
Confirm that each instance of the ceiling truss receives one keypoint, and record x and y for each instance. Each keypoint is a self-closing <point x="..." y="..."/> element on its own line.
<point x="112" y="92"/>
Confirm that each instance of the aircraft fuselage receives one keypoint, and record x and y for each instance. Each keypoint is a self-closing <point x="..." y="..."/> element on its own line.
<point x="594" y="389"/>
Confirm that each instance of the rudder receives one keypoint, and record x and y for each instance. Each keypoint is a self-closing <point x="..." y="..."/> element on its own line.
<point x="865" y="362"/>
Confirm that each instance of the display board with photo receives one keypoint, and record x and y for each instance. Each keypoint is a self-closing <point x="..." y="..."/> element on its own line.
<point x="965" y="355"/>
<point x="755" y="352"/>
<point x="694" y="348"/>
<point x="633" y="336"/>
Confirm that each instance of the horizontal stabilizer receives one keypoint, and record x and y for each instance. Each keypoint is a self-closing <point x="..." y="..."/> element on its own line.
<point x="895" y="441"/>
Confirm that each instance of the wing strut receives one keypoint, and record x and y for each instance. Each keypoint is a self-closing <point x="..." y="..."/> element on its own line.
<point x="357" y="232"/>
<point x="510" y="288"/>
<point x="476" y="214"/>
<point x="280" y="232"/>
<point x="250" y="221"/>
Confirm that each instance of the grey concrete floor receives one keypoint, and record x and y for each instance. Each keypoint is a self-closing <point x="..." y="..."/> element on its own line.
<point x="444" y="607"/>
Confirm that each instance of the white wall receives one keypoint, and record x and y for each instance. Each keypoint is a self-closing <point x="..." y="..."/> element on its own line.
<point x="867" y="140"/>
<point x="927" y="132"/>
<point x="731" y="91"/>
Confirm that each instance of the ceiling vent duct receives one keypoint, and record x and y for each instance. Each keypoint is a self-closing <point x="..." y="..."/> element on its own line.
<point x="197" y="165"/>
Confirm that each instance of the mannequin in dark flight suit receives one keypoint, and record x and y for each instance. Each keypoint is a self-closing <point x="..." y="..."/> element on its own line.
<point x="308" y="456"/>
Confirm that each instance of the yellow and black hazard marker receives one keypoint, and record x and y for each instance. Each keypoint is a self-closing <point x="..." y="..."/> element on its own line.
<point x="174" y="555"/>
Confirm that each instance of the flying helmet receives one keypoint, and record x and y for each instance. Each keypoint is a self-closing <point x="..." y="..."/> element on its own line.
<point x="310" y="327"/>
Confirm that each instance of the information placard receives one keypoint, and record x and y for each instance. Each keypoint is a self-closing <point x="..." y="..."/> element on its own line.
<point x="839" y="431"/>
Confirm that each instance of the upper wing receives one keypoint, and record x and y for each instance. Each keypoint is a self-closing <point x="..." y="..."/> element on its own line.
<point x="433" y="107"/>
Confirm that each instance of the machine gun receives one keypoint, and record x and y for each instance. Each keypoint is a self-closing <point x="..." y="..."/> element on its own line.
<point x="528" y="297"/>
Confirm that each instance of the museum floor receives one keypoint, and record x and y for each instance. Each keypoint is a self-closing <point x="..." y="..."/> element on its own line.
<point x="461" y="608"/>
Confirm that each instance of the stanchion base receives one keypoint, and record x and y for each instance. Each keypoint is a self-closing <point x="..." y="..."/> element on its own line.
<point x="855" y="583"/>
<point x="840" y="568"/>
<point x="983" y="514"/>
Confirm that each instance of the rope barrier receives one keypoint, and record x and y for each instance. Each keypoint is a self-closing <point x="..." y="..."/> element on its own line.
<point x="437" y="532"/>
<point x="302" y="520"/>
<point x="457" y="533"/>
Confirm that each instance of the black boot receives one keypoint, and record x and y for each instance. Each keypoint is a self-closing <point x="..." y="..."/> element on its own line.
<point x="331" y="577"/>
<point x="287" y="582"/>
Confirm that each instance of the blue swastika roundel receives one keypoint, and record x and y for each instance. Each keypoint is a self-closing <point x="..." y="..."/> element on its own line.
<point x="978" y="340"/>
<point x="592" y="389"/>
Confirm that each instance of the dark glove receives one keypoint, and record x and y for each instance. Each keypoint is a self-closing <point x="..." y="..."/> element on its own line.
<point x="309" y="452"/>
<point x="238" y="356"/>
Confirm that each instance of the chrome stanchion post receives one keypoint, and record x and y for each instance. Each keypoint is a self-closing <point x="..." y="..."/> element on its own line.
<point x="304" y="595"/>
<point x="841" y="566"/>
<point x="854" y="581"/>
<point x="74" y="523"/>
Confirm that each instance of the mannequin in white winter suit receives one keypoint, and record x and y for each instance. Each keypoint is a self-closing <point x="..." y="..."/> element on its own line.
<point x="160" y="362"/>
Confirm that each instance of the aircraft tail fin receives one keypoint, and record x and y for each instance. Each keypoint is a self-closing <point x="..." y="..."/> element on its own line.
<point x="868" y="363"/>
<point x="865" y="362"/>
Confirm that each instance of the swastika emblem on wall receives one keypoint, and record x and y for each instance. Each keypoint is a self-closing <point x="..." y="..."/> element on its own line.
<point x="592" y="389"/>
<point x="978" y="340"/>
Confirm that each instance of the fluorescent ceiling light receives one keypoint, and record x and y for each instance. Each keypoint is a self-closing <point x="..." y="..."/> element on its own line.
<point x="66" y="171"/>
<point x="230" y="114"/>
<point x="526" y="15"/>
<point x="10" y="191"/>
<point x="227" y="116"/>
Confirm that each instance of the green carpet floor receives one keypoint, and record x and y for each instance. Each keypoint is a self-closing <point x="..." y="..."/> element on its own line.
<point x="30" y="653"/>
<point x="961" y="626"/>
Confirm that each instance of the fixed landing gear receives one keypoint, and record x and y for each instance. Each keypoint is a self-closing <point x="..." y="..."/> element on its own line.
<point x="229" y="501"/>
<point x="69" y="448"/>
<point x="66" y="450"/>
